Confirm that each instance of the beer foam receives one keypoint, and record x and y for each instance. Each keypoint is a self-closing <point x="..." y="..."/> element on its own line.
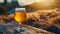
<point x="20" y="9"/>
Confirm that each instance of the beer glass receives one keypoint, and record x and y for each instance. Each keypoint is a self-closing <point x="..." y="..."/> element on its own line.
<point x="20" y="15"/>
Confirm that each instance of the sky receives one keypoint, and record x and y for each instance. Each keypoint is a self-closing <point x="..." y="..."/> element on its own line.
<point x="24" y="2"/>
<point x="27" y="2"/>
<point x="1" y="1"/>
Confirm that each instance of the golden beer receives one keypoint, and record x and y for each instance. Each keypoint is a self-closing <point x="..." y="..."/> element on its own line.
<point x="20" y="15"/>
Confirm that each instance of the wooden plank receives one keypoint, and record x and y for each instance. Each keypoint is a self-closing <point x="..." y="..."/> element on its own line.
<point x="36" y="30"/>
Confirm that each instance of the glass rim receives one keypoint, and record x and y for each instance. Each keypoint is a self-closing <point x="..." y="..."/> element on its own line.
<point x="20" y="9"/>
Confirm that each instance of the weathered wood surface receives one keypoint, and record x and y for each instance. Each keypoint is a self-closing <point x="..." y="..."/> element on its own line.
<point x="33" y="30"/>
<point x="28" y="29"/>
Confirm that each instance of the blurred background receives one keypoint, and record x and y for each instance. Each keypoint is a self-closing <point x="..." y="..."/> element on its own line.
<point x="45" y="19"/>
<point x="11" y="4"/>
